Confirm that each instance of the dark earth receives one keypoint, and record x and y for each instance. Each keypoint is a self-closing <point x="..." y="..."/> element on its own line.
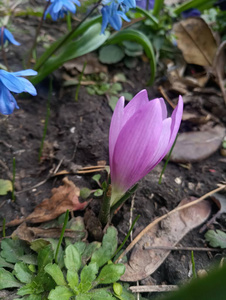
<point x="77" y="135"/>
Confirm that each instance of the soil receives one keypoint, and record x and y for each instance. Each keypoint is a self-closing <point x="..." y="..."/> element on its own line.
<point x="77" y="135"/>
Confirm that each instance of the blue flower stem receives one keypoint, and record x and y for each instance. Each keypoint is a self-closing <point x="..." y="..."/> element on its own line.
<point x="3" y="49"/>
<point x="69" y="21"/>
<point x="36" y="36"/>
<point x="79" y="81"/>
<point x="61" y="236"/>
<point x="13" y="180"/>
<point x="68" y="36"/>
<point x="47" y="119"/>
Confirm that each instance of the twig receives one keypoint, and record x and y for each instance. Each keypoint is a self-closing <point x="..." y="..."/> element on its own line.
<point x="131" y="216"/>
<point x="180" y="248"/>
<point x="151" y="225"/>
<point x="162" y="91"/>
<point x="153" y="288"/>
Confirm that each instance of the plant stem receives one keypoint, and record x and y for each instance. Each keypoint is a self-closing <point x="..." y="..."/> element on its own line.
<point x="61" y="236"/>
<point x="13" y="180"/>
<point x="104" y="215"/>
<point x="79" y="81"/>
<point x="3" y="228"/>
<point x="3" y="49"/>
<point x="46" y="120"/>
<point x="69" y="21"/>
<point x="36" y="36"/>
<point x="68" y="36"/>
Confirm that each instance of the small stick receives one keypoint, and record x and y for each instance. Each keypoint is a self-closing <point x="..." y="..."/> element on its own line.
<point x="162" y="91"/>
<point x="153" y="288"/>
<point x="151" y="225"/>
<point x="179" y="248"/>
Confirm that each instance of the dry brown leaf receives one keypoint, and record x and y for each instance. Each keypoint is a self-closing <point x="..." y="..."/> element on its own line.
<point x="64" y="198"/>
<point x="219" y="68"/>
<point x="144" y="262"/>
<point x="196" y="146"/>
<point x="196" y="41"/>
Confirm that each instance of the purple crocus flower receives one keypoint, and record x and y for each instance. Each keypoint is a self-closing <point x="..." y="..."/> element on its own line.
<point x="58" y="8"/>
<point x="145" y="4"/>
<point x="13" y="82"/>
<point x="191" y="12"/>
<point x="140" y="136"/>
<point x="7" y="36"/>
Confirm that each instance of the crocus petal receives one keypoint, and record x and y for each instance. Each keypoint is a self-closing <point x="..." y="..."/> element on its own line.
<point x="7" y="101"/>
<point x="10" y="37"/>
<point x="133" y="143"/>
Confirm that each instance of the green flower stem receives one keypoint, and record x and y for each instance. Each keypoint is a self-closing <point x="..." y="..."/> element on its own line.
<point x="61" y="236"/>
<point x="36" y="36"/>
<point x="104" y="215"/>
<point x="122" y="200"/>
<point x="68" y="36"/>
<point x="13" y="179"/>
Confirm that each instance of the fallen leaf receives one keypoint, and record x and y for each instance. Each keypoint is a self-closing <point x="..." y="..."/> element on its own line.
<point x="196" y="41"/>
<point x="196" y="146"/>
<point x="144" y="262"/>
<point x="5" y="186"/>
<point x="64" y="198"/>
<point x="219" y="68"/>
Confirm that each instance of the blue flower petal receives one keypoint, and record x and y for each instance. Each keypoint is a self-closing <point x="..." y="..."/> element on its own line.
<point x="7" y="35"/>
<point x="11" y="82"/>
<point x="28" y="72"/>
<point x="7" y="101"/>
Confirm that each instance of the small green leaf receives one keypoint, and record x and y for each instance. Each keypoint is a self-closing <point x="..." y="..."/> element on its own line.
<point x="112" y="102"/>
<point x="45" y="256"/>
<point x="85" y="193"/>
<point x="72" y="258"/>
<point x="216" y="238"/>
<point x="117" y="287"/>
<point x="108" y="248"/>
<point x="128" y="96"/>
<point x="22" y="272"/>
<point x="55" y="272"/>
<point x="101" y="294"/>
<point x="98" y="193"/>
<point x="60" y="293"/>
<point x="96" y="178"/>
<point x="5" y="187"/>
<point x="7" y="280"/>
<point x="111" y="273"/>
<point x="89" y="250"/>
<point x="3" y="263"/>
<point x="88" y="275"/>
<point x="111" y="54"/>
<point x="73" y="279"/>
<point x="12" y="250"/>
<point x="38" y="244"/>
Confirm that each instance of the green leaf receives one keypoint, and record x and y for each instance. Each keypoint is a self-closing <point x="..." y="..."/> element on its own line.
<point x="12" y="250"/>
<point x="72" y="258"/>
<point x="98" y="193"/>
<point x="88" y="275"/>
<point x="96" y="178"/>
<point x="3" y="263"/>
<point x="108" y="248"/>
<point x="101" y="294"/>
<point x="85" y="193"/>
<point x="73" y="279"/>
<point x="199" y="4"/>
<point x="55" y="272"/>
<point x="112" y="102"/>
<point x="5" y="187"/>
<point x="111" y="54"/>
<point x="158" y="5"/>
<point x="7" y="280"/>
<point x="45" y="256"/>
<point x="138" y="37"/>
<point x="216" y="238"/>
<point x="117" y="287"/>
<point x="39" y="244"/>
<point x="22" y="272"/>
<point x="60" y="293"/>
<point x="111" y="273"/>
<point x="89" y="250"/>
<point x="148" y="15"/>
<point x="88" y="42"/>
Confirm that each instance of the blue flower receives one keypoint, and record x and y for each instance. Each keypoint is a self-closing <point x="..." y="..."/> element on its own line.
<point x="111" y="14"/>
<point x="143" y="4"/>
<point x="191" y="12"/>
<point x="58" y="8"/>
<point x="12" y="82"/>
<point x="7" y="36"/>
